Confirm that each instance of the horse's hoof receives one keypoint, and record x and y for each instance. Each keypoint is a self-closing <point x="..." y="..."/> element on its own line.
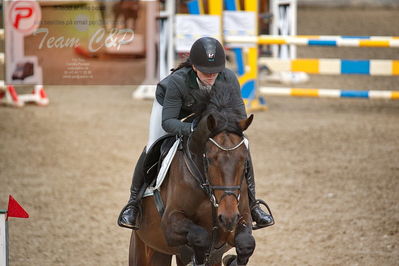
<point x="227" y="260"/>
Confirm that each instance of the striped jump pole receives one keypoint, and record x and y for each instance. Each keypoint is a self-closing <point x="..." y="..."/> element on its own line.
<point x="330" y="93"/>
<point x="381" y="41"/>
<point x="333" y="66"/>
<point x="333" y="37"/>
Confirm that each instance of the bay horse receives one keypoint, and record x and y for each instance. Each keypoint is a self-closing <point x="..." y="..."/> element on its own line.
<point x="128" y="10"/>
<point x="206" y="206"/>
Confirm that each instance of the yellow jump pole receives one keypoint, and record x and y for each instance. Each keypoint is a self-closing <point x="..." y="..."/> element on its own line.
<point x="250" y="78"/>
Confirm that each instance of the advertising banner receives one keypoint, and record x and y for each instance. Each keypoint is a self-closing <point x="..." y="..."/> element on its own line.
<point x="76" y="42"/>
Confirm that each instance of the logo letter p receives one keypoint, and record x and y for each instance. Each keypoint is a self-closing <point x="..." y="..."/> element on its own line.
<point x="22" y="15"/>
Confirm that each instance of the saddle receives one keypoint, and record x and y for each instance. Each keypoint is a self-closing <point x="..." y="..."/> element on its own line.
<point x="156" y="155"/>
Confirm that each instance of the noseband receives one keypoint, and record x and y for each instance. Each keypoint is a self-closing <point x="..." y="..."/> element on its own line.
<point x="228" y="190"/>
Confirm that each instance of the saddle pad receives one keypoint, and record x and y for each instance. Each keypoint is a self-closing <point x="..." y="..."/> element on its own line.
<point x="164" y="169"/>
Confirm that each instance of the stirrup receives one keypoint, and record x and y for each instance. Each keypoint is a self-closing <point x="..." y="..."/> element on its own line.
<point x="134" y="227"/>
<point x="269" y="212"/>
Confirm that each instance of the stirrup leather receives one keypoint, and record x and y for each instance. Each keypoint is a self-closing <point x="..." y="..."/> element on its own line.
<point x="269" y="212"/>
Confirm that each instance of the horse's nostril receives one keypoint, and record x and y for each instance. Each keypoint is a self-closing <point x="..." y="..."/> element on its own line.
<point x="221" y="218"/>
<point x="236" y="218"/>
<point x="228" y="222"/>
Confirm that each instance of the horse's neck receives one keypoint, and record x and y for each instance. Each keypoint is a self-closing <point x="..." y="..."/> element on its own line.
<point x="194" y="163"/>
<point x="194" y="150"/>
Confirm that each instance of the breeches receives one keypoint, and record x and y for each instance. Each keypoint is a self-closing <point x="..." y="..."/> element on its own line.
<point x="155" y="131"/>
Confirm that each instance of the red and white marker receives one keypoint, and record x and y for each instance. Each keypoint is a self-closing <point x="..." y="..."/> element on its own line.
<point x="9" y="96"/>
<point x="38" y="96"/>
<point x="14" y="210"/>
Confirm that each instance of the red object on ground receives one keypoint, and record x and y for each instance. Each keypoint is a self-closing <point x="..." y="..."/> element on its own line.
<point x="83" y="52"/>
<point x="13" y="93"/>
<point x="43" y="94"/>
<point x="15" y="210"/>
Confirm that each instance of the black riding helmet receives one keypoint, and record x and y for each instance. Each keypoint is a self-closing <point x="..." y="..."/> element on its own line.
<point x="207" y="55"/>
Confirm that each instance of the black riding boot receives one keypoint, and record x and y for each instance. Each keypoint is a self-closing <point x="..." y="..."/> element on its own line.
<point x="261" y="218"/>
<point x="129" y="214"/>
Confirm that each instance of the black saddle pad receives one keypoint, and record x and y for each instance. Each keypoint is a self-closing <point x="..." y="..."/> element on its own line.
<point x="155" y="156"/>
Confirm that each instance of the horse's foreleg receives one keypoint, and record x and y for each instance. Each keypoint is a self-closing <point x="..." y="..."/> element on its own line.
<point x="179" y="262"/>
<point x="244" y="243"/>
<point x="160" y="259"/>
<point x="142" y="255"/>
<point x="179" y="230"/>
<point x="137" y="254"/>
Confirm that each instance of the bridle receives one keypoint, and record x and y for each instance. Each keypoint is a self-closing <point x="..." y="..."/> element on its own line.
<point x="203" y="179"/>
<point x="224" y="148"/>
<point x="228" y="190"/>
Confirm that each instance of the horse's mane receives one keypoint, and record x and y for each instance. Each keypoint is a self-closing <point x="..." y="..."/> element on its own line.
<point x="220" y="104"/>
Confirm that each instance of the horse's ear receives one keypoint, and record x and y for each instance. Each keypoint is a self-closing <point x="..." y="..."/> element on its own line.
<point x="211" y="122"/>
<point x="245" y="123"/>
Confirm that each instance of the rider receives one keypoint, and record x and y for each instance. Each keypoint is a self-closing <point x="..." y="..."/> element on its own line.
<point x="204" y="70"/>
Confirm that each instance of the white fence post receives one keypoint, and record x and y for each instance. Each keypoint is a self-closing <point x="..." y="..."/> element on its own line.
<point x="3" y="239"/>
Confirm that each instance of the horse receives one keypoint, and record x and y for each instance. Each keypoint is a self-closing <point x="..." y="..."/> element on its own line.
<point x="128" y="10"/>
<point x="205" y="200"/>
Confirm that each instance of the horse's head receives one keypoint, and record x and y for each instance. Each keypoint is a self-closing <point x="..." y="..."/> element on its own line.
<point x="219" y="140"/>
<point x="225" y="162"/>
